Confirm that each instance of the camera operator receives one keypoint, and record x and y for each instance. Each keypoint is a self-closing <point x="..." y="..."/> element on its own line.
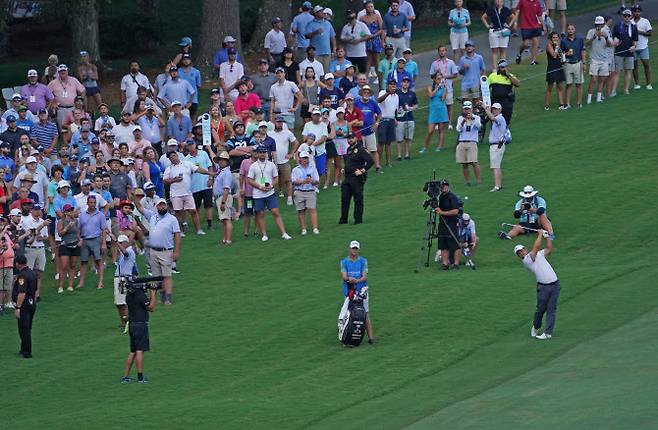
<point x="448" y="230"/>
<point x="139" y="306"/>
<point x="125" y="267"/>
<point x="468" y="240"/>
<point x="530" y="210"/>
<point x="357" y="163"/>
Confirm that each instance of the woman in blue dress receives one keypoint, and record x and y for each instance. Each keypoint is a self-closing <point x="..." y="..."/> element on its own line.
<point x="153" y="170"/>
<point x="374" y="46"/>
<point x="438" y="116"/>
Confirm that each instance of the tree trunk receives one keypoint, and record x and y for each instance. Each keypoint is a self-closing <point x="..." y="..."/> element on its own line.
<point x="268" y="10"/>
<point x="4" y="35"/>
<point x="148" y="8"/>
<point x="219" y="18"/>
<point x="83" y="20"/>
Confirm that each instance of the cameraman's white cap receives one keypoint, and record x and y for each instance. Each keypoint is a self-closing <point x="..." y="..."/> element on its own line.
<point x="528" y="191"/>
<point x="355" y="244"/>
<point x="599" y="20"/>
<point x="122" y="238"/>
<point x="466" y="217"/>
<point x="517" y="248"/>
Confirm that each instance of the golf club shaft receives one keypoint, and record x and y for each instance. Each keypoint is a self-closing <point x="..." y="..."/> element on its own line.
<point x="514" y="225"/>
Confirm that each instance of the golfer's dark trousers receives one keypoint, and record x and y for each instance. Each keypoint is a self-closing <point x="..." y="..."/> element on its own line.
<point x="352" y="186"/>
<point x="547" y="295"/>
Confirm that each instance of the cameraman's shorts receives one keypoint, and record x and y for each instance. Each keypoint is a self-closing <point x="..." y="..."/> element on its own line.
<point x="119" y="299"/>
<point x="139" y="336"/>
<point x="447" y="241"/>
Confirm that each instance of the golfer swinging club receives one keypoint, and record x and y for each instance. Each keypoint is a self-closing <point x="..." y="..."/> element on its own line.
<point x="548" y="286"/>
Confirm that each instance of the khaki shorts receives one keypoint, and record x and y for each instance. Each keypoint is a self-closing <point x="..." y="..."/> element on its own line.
<point x="467" y="152"/>
<point x="119" y="299"/>
<point x="284" y="171"/>
<point x="458" y="40"/>
<point x="36" y="258"/>
<point x="6" y="278"/>
<point x="496" y="156"/>
<point x="471" y="93"/>
<point x="226" y="213"/>
<point x="304" y="199"/>
<point x="599" y="68"/>
<point x="161" y="262"/>
<point x="561" y="4"/>
<point x="370" y="142"/>
<point x="574" y="73"/>
<point x="496" y="40"/>
<point x="183" y="203"/>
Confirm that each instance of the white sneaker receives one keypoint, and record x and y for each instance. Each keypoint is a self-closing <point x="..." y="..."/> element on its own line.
<point x="280" y="194"/>
<point x="533" y="332"/>
<point x="200" y="232"/>
<point x="265" y="238"/>
<point x="437" y="257"/>
<point x="449" y="126"/>
<point x="60" y="290"/>
<point x="289" y="202"/>
<point x="468" y="263"/>
<point x="57" y="276"/>
<point x="637" y="87"/>
<point x="304" y="232"/>
<point x="544" y="336"/>
<point x="613" y="94"/>
<point x="650" y="87"/>
<point x="316" y="231"/>
<point x="286" y="236"/>
<point x="494" y="189"/>
<point x="182" y="234"/>
<point x="336" y="183"/>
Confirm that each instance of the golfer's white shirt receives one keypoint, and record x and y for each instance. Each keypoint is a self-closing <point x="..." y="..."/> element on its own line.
<point x="540" y="267"/>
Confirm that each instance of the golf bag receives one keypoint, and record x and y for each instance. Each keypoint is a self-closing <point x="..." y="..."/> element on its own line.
<point x="352" y="327"/>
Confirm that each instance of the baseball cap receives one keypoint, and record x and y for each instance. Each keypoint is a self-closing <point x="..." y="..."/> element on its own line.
<point x="67" y="207"/>
<point x="349" y="96"/>
<point x="496" y="106"/>
<point x="85" y="182"/>
<point x="392" y="81"/>
<point x="466" y="217"/>
<point x="279" y="69"/>
<point x="175" y="103"/>
<point x="21" y="108"/>
<point x="15" y="212"/>
<point x="16" y="96"/>
<point x="328" y="76"/>
<point x="279" y="118"/>
<point x="62" y="184"/>
<point x="42" y="111"/>
<point x="627" y="12"/>
<point x="318" y="8"/>
<point x="173" y="68"/>
<point x="27" y="201"/>
<point x="276" y="20"/>
<point x="340" y="109"/>
<point x="122" y="238"/>
<point x="635" y="7"/>
<point x="10" y="118"/>
<point x="316" y="112"/>
<point x="388" y="46"/>
<point x="355" y="244"/>
<point x="172" y="142"/>
<point x="307" y="5"/>
<point x="469" y="42"/>
<point x="468" y="104"/>
<point x="263" y="61"/>
<point x="407" y="51"/>
<point x="517" y="248"/>
<point x="263" y="124"/>
<point x="31" y="73"/>
<point x="186" y="56"/>
<point x="160" y="200"/>
<point x="150" y="107"/>
<point x="137" y="128"/>
<point x="148" y="185"/>
<point x="229" y="39"/>
<point x="599" y="20"/>
<point x="328" y="11"/>
<point x="139" y="192"/>
<point x="62" y="67"/>
<point x="238" y="123"/>
<point x="185" y="41"/>
<point x="215" y="91"/>
<point x="30" y="159"/>
<point x="304" y="154"/>
<point x="502" y="63"/>
<point x="401" y="59"/>
<point x="224" y="155"/>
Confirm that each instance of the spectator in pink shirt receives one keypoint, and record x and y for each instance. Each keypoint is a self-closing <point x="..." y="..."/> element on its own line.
<point x="245" y="101"/>
<point x="137" y="146"/>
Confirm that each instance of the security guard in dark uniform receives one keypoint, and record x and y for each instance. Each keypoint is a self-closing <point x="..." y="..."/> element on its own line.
<point x="501" y="85"/>
<point x="357" y="163"/>
<point x="139" y="306"/>
<point x="23" y="294"/>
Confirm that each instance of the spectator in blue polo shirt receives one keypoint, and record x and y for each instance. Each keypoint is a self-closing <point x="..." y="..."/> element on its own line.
<point x="45" y="133"/>
<point x="177" y="89"/>
<point x="221" y="56"/>
<point x="471" y="67"/>
<point x="7" y="164"/>
<point x="23" y="122"/>
<point x="322" y="36"/>
<point x="298" y="28"/>
<point x="179" y="126"/>
<point x="396" y="24"/>
<point x="400" y="73"/>
<point x="192" y="75"/>
<point x="573" y="47"/>
<point x="371" y="113"/>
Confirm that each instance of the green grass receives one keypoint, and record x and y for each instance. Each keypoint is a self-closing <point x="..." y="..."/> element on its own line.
<point x="251" y="343"/>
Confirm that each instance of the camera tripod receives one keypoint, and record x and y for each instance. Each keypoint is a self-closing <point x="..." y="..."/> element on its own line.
<point x="431" y="233"/>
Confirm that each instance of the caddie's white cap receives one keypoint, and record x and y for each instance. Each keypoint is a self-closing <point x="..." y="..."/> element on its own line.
<point x="517" y="248"/>
<point x="355" y="244"/>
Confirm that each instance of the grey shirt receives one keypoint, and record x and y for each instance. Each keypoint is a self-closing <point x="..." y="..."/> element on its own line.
<point x="262" y="85"/>
<point x="284" y="95"/>
<point x="599" y="50"/>
<point x="119" y="184"/>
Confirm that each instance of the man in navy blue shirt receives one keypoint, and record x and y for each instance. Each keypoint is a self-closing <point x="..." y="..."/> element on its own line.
<point x="354" y="270"/>
<point x="573" y="47"/>
<point x="626" y="37"/>
<point x="405" y="117"/>
<point x="335" y="94"/>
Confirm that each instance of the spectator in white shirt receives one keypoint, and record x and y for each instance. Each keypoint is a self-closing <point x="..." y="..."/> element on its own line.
<point x="230" y="73"/>
<point x="275" y="42"/>
<point x="132" y="81"/>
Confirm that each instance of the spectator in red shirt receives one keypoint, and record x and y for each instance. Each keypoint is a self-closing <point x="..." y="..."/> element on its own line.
<point x="532" y="26"/>
<point x="245" y="101"/>
<point x="353" y="116"/>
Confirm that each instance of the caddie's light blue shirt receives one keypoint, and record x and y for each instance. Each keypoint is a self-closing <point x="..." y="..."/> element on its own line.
<point x="354" y="269"/>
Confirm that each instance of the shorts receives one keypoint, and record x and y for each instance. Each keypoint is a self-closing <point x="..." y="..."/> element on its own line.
<point x="458" y="40"/>
<point x="496" y="40"/>
<point x="248" y="206"/>
<point x="330" y="147"/>
<point x="90" y="247"/>
<point x="66" y="251"/>
<point x="235" y="186"/>
<point x="321" y="164"/>
<point x="496" y="155"/>
<point x="341" y="146"/>
<point x="446" y="241"/>
<point x="161" y="262"/>
<point x="119" y="299"/>
<point x="269" y="202"/>
<point x="139" y="336"/>
<point x="642" y="54"/>
<point x="405" y="130"/>
<point x="6" y="278"/>
<point x="599" y="68"/>
<point x="530" y="33"/>
<point x="471" y="93"/>
<point x="304" y="199"/>
<point x="203" y="196"/>
<point x="574" y="73"/>
<point x="284" y="171"/>
<point x="386" y="132"/>
<point x="370" y="142"/>
<point x="450" y="97"/>
<point x="228" y="207"/>
<point x="92" y="91"/>
<point x="561" y="4"/>
<point x="624" y="63"/>
<point x="467" y="152"/>
<point x="611" y="65"/>
<point x="36" y="258"/>
<point x="183" y="203"/>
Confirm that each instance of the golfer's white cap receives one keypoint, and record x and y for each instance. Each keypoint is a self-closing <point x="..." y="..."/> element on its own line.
<point x="122" y="238"/>
<point x="517" y="248"/>
<point x="599" y="20"/>
<point x="355" y="244"/>
<point x="496" y="106"/>
<point x="466" y="217"/>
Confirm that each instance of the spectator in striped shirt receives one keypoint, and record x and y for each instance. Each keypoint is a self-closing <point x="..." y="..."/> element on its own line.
<point x="44" y="134"/>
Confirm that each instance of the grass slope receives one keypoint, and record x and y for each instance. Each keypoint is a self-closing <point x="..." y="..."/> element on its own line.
<point x="251" y="339"/>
